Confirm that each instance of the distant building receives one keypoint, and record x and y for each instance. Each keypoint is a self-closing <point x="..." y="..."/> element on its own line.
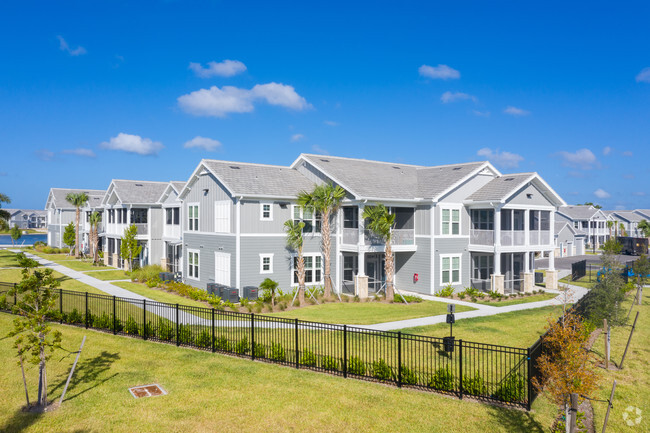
<point x="27" y="218"/>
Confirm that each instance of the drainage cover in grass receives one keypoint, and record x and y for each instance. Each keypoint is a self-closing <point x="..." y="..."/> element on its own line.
<point x="147" y="391"/>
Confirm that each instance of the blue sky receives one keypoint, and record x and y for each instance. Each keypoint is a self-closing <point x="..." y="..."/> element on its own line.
<point x="91" y="91"/>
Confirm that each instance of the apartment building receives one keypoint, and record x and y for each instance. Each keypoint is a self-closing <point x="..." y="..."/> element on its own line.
<point x="60" y="213"/>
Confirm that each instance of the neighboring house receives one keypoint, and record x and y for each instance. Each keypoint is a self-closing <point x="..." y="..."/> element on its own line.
<point x="569" y="241"/>
<point x="590" y="220"/>
<point x="27" y="218"/>
<point x="460" y="225"/>
<point x="172" y="237"/>
<point x="136" y="202"/>
<point x="630" y="221"/>
<point x="60" y="213"/>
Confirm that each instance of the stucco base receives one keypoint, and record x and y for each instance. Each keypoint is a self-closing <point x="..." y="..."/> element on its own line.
<point x="529" y="282"/>
<point x="552" y="280"/>
<point x="498" y="284"/>
<point x="361" y="286"/>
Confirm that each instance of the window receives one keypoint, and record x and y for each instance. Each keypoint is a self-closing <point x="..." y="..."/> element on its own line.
<point x="313" y="269"/>
<point x="482" y="219"/>
<point x="312" y="220"/>
<point x="450" y="221"/>
<point x="138" y="216"/>
<point x="266" y="212"/>
<point x="173" y="216"/>
<point x="483" y="267"/>
<point x="350" y="267"/>
<point x="222" y="216"/>
<point x="350" y="217"/>
<point x="450" y="266"/>
<point x="193" y="264"/>
<point x="266" y="263"/>
<point x="193" y="217"/>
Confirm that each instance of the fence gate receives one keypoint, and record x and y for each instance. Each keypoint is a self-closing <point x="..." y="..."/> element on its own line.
<point x="578" y="270"/>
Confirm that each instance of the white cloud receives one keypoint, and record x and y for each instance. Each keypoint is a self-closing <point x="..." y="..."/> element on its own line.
<point x="601" y="193"/>
<point x="456" y="96"/>
<point x="481" y="113"/>
<point x="207" y="144"/>
<point x="297" y="137"/>
<point x="133" y="144"/>
<point x="218" y="102"/>
<point x="80" y="152"/>
<point x="627" y="153"/>
<point x="503" y="159"/>
<point x="227" y="68"/>
<point x="514" y="111"/>
<point x="607" y="150"/>
<point x="441" y="72"/>
<point x="44" y="154"/>
<point x="643" y="76"/>
<point x="331" y="123"/>
<point x="317" y="149"/>
<point x="582" y="158"/>
<point x="63" y="46"/>
<point x="639" y="193"/>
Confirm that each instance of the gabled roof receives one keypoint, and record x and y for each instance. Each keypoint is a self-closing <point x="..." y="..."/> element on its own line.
<point x="57" y="197"/>
<point x="178" y="185"/>
<point x="580" y="212"/>
<point x="643" y="212"/>
<point x="173" y="186"/>
<point x="137" y="191"/>
<point x="627" y="215"/>
<point x="503" y="187"/>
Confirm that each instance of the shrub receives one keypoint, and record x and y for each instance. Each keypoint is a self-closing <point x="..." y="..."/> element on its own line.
<point x="147" y="330"/>
<point x="357" y="298"/>
<point x="277" y="352"/>
<point x="153" y="282"/>
<point x="356" y="366"/>
<point x="461" y="295"/>
<point x="165" y="330"/>
<point x="259" y="350"/>
<point x="3" y="303"/>
<point x="75" y="317"/>
<point x="131" y="326"/>
<point x="443" y="379"/>
<point x="282" y="306"/>
<point x="475" y="385"/>
<point x="146" y="273"/>
<point x="409" y="377"/>
<point x="511" y="389"/>
<point x="103" y="322"/>
<point x="330" y="363"/>
<point x="243" y="346"/>
<point x="446" y="291"/>
<point x="409" y="298"/>
<point x="185" y="335"/>
<point x="244" y="302"/>
<point x="230" y="305"/>
<point x="204" y="339"/>
<point x="308" y="358"/>
<point x="222" y="344"/>
<point x="381" y="370"/>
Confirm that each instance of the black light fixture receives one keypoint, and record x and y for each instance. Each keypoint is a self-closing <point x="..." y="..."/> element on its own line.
<point x="205" y="191"/>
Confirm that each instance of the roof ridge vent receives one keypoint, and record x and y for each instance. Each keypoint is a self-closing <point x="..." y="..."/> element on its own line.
<point x="325" y="160"/>
<point x="509" y="179"/>
<point x="458" y="168"/>
<point x="138" y="184"/>
<point x="234" y="167"/>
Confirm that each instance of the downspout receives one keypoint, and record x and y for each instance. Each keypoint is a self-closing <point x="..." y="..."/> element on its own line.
<point x="238" y="245"/>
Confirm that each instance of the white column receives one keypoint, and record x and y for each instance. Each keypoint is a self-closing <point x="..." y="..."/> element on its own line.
<point x="362" y="263"/>
<point x="551" y="228"/>
<point x="551" y="261"/>
<point x="238" y="246"/>
<point x="527" y="228"/>
<point x="526" y="261"/>
<point x="361" y="224"/>
<point x="497" y="241"/>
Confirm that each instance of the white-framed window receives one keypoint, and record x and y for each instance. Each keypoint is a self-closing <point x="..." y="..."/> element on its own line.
<point x="266" y="211"/>
<point x="450" y="220"/>
<point x="193" y="217"/>
<point x="193" y="264"/>
<point x="313" y="269"/>
<point x="222" y="216"/>
<point x="311" y="219"/>
<point x="266" y="263"/>
<point x="450" y="269"/>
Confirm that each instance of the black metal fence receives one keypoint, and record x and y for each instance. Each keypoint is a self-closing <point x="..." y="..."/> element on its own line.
<point x="482" y="371"/>
<point x="578" y="270"/>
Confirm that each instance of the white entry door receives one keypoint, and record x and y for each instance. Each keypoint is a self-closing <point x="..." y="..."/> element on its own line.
<point x="222" y="268"/>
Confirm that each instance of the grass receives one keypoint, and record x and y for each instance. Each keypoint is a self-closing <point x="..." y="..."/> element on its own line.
<point x="50" y="256"/>
<point x="159" y="295"/>
<point x="515" y="329"/>
<point x="284" y="399"/>
<point x="108" y="275"/>
<point x="532" y="298"/>
<point x="67" y="283"/>
<point x="584" y="281"/>
<point x="7" y="259"/>
<point x="366" y="313"/>
<point x="79" y="265"/>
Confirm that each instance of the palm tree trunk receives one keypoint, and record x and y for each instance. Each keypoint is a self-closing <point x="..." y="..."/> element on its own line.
<point x="76" y="246"/>
<point x="390" y="268"/>
<point x="301" y="277"/>
<point x="327" y="248"/>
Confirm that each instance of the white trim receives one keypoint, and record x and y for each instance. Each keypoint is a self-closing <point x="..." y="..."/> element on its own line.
<point x="266" y="256"/>
<point x="198" y="211"/>
<point x="451" y="269"/>
<point x="452" y="207"/>
<point x="270" y="205"/>
<point x="227" y="276"/>
<point x="207" y="233"/>
<point x="228" y="225"/>
<point x="197" y="265"/>
<point x="238" y="243"/>
<point x="313" y="255"/>
<point x="452" y="237"/>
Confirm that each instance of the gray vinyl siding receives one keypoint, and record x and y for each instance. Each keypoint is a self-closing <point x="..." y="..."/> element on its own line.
<point x="207" y="245"/>
<point x="418" y="262"/>
<point x="250" y="217"/>
<point x="215" y="191"/>
<point x="537" y="198"/>
<point x="68" y="216"/>
<point x="422" y="220"/>
<point x="467" y="188"/>
<point x="452" y="246"/>
<point x="54" y="237"/>
<point x="171" y="199"/>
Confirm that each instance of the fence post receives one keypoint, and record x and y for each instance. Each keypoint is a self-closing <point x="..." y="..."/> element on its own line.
<point x="252" y="337"/>
<point x="460" y="366"/>
<point x="399" y="359"/>
<point x="530" y="380"/>
<point x="178" y="343"/>
<point x="114" y="318"/>
<point x="144" y="319"/>
<point x="213" y="348"/>
<point x="86" y="310"/>
<point x="15" y="295"/>
<point x="297" y="351"/>
<point x="60" y="305"/>
<point x="345" y="351"/>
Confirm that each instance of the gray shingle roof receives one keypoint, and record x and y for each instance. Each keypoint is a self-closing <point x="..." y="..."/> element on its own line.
<point x="627" y="215"/>
<point x="178" y="185"/>
<point x="139" y="191"/>
<point x="643" y="212"/>
<point x="432" y="181"/>
<point x="500" y="187"/>
<point x="259" y="180"/>
<point x="94" y="197"/>
<point x="580" y="212"/>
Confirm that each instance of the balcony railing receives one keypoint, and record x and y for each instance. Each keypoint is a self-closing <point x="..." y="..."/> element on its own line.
<point x="115" y="229"/>
<point x="513" y="238"/>
<point x="350" y="236"/>
<point x="540" y="237"/>
<point x="370" y="238"/>
<point x="403" y="237"/>
<point x="172" y="231"/>
<point x="481" y="237"/>
<point x="143" y="229"/>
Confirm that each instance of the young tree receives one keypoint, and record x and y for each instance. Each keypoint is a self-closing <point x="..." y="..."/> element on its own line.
<point x="77" y="200"/>
<point x="95" y="219"/>
<point x="325" y="199"/>
<point x="16" y="234"/>
<point x="295" y="242"/>
<point x="381" y="222"/>
<point x="644" y="226"/>
<point x="130" y="249"/>
<point x="271" y="286"/>
<point x="35" y="340"/>
<point x="566" y="365"/>
<point x="69" y="235"/>
<point x="641" y="268"/>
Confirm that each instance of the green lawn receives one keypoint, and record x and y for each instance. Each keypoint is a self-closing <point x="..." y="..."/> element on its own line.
<point x="7" y="259"/>
<point x="524" y="300"/>
<point x="210" y="392"/>
<point x="79" y="265"/>
<point x="516" y="329"/>
<point x="108" y="275"/>
<point x="365" y="313"/>
<point x="159" y="295"/>
<point x="67" y="283"/>
<point x="50" y="256"/>
<point x="588" y="281"/>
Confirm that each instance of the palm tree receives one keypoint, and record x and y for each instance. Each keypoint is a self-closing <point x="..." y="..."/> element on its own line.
<point x="380" y="221"/>
<point x="644" y="226"/>
<point x="610" y="225"/>
<point x="295" y="242"/>
<point x="77" y="199"/>
<point x="95" y="219"/>
<point x="4" y="215"/>
<point x="325" y="199"/>
<point x="623" y="232"/>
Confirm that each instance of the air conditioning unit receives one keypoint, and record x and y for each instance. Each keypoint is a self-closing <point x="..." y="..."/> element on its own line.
<point x="229" y="294"/>
<point x="251" y="293"/>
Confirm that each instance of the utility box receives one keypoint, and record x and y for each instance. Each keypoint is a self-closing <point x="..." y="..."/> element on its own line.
<point x="166" y="276"/>
<point x="214" y="289"/>
<point x="229" y="294"/>
<point x="539" y="277"/>
<point x="448" y="343"/>
<point x="251" y="293"/>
